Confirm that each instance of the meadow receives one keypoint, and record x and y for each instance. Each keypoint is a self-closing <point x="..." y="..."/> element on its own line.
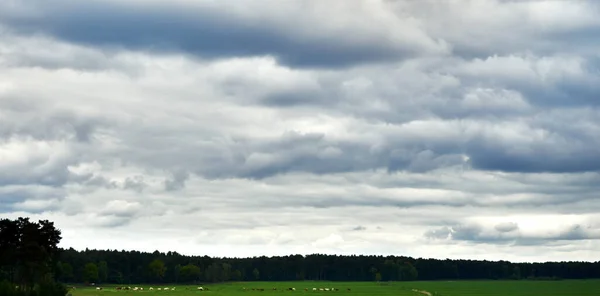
<point x="418" y="288"/>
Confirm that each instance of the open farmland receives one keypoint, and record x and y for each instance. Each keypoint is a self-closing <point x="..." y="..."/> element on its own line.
<point x="445" y="288"/>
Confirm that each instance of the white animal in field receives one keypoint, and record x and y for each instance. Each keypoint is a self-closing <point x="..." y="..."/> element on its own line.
<point x="159" y="289"/>
<point x="151" y="288"/>
<point x="201" y="288"/>
<point x="165" y="288"/>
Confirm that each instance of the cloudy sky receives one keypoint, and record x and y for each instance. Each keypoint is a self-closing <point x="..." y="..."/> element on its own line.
<point x="438" y="128"/>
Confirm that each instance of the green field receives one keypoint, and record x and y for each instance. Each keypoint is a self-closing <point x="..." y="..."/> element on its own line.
<point x="445" y="288"/>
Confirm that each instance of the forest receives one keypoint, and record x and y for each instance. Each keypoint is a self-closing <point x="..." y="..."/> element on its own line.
<point x="128" y="267"/>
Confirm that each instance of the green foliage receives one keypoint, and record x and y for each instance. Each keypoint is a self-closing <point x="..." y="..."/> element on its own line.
<point x="190" y="273"/>
<point x="129" y="267"/>
<point x="236" y="275"/>
<point x="43" y="288"/>
<point x="102" y="271"/>
<point x="90" y="273"/>
<point x="256" y="273"/>
<point x="27" y="252"/>
<point x="157" y="269"/>
<point x="65" y="272"/>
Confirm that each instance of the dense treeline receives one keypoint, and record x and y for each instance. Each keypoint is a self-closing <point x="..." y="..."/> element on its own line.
<point x="27" y="258"/>
<point x="128" y="267"/>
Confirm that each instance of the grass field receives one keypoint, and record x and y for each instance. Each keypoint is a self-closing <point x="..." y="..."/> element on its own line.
<point x="444" y="288"/>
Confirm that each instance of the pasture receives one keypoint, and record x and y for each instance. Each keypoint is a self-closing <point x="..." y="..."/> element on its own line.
<point x="419" y="288"/>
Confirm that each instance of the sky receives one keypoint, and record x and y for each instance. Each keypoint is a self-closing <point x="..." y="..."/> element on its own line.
<point x="436" y="129"/>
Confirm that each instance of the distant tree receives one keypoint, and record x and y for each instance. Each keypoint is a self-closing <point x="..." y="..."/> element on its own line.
<point x="236" y="275"/>
<point x="117" y="277"/>
<point x="409" y="272"/>
<point x="516" y="274"/>
<point x="90" y="273"/>
<point x="65" y="272"/>
<point x="177" y="273"/>
<point x="157" y="269"/>
<point x="190" y="273"/>
<point x="374" y="272"/>
<point x="225" y="272"/>
<point x="256" y="274"/>
<point x="102" y="271"/>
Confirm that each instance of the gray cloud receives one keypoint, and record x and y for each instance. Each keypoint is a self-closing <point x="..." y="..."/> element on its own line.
<point x="504" y="233"/>
<point x="254" y="129"/>
<point x="506" y="227"/>
<point x="222" y="30"/>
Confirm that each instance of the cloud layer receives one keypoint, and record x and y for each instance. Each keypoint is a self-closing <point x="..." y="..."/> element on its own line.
<point x="244" y="129"/>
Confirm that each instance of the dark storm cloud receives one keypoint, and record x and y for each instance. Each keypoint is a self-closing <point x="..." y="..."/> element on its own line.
<point x="196" y="31"/>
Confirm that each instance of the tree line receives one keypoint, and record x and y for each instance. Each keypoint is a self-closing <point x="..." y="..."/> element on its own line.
<point x="130" y="267"/>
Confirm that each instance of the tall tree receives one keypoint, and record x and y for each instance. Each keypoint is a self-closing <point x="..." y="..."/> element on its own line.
<point x="27" y="251"/>
<point x="9" y="244"/>
<point x="90" y="273"/>
<point x="102" y="271"/>
<point x="65" y="272"/>
<point x="190" y="273"/>
<point x="157" y="269"/>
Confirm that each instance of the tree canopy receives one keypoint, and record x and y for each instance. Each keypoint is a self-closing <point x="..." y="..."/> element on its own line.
<point x="131" y="267"/>
<point x="27" y="255"/>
